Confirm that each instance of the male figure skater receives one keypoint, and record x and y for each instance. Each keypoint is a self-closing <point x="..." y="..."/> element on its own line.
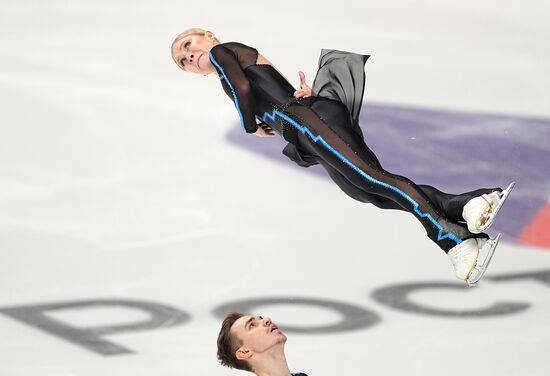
<point x="254" y="344"/>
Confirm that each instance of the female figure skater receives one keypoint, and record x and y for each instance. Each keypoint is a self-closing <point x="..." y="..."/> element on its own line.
<point x="321" y="127"/>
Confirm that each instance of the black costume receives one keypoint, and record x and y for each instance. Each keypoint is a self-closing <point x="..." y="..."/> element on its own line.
<point x="323" y="129"/>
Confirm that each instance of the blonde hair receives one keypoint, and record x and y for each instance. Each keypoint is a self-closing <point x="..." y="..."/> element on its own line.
<point x="186" y="33"/>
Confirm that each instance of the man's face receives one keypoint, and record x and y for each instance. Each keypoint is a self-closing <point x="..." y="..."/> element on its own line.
<point x="257" y="335"/>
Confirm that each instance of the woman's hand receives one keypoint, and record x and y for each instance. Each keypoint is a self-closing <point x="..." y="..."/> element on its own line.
<point x="264" y="130"/>
<point x="304" y="91"/>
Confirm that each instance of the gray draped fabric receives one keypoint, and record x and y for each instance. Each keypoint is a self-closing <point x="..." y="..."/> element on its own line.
<point x="341" y="76"/>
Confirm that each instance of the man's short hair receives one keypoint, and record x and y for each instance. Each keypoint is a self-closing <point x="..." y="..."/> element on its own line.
<point x="228" y="344"/>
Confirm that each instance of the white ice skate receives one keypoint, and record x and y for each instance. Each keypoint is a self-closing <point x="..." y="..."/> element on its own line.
<point x="480" y="212"/>
<point x="465" y="256"/>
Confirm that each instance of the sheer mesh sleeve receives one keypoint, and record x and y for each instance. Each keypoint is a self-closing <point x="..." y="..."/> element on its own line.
<point x="231" y="72"/>
<point x="246" y="55"/>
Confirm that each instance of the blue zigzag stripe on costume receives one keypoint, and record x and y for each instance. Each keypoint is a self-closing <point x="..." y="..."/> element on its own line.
<point x="224" y="77"/>
<point x="319" y="139"/>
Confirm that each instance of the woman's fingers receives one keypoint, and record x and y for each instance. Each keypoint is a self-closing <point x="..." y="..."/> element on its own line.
<point x="266" y="133"/>
<point x="304" y="91"/>
<point x="302" y="79"/>
<point x="301" y="93"/>
<point x="264" y="126"/>
<point x="264" y="130"/>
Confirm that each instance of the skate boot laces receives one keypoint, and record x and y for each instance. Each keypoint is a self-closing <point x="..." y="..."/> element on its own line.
<point x="464" y="257"/>
<point x="478" y="211"/>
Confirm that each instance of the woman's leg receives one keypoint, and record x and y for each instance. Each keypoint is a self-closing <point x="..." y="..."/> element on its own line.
<point x="357" y="193"/>
<point x="451" y="205"/>
<point x="345" y="151"/>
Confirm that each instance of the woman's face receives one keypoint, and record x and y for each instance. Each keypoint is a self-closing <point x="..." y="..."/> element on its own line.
<point x="191" y="53"/>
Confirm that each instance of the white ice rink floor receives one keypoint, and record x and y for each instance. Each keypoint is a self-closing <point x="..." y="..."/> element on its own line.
<point x="129" y="221"/>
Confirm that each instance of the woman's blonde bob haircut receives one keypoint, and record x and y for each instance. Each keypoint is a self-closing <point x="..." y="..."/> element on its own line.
<point x="186" y="33"/>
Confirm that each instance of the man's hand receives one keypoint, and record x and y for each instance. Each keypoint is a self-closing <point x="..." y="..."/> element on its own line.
<point x="304" y="91"/>
<point x="264" y="130"/>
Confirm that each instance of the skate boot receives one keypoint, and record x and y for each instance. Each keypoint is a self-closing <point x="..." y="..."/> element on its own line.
<point x="465" y="256"/>
<point x="480" y="212"/>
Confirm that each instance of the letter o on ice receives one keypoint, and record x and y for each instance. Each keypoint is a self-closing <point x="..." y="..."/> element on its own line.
<point x="352" y="317"/>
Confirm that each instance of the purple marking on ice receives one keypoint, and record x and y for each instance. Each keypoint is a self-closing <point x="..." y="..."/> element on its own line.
<point x="452" y="151"/>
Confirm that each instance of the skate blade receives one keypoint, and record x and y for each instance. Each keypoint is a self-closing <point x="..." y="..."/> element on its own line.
<point x="479" y="270"/>
<point x="491" y="216"/>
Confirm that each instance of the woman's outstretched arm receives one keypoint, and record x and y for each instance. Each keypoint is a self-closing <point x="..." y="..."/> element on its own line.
<point x="230" y="70"/>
